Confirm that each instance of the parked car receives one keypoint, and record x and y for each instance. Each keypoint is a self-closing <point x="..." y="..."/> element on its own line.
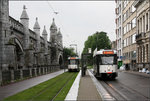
<point x="123" y="67"/>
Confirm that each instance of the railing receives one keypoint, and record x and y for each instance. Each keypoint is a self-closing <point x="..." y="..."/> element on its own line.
<point x="140" y="36"/>
<point x="15" y="75"/>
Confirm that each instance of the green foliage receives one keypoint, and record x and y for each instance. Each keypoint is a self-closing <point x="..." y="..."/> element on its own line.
<point x="99" y="40"/>
<point x="67" y="52"/>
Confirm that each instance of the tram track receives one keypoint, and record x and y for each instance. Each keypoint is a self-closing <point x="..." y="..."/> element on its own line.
<point x="51" y="86"/>
<point x="122" y="92"/>
<point x="62" y="87"/>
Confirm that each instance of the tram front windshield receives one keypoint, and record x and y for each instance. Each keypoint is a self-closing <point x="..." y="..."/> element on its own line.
<point x="108" y="60"/>
<point x="72" y="62"/>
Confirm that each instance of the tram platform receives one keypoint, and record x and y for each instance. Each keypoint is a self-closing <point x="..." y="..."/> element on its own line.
<point x="87" y="89"/>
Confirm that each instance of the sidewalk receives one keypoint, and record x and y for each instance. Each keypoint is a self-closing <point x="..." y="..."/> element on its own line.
<point x="87" y="89"/>
<point x="14" y="88"/>
<point x="138" y="73"/>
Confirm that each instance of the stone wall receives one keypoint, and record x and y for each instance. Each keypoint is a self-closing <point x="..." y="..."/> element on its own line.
<point x="10" y="76"/>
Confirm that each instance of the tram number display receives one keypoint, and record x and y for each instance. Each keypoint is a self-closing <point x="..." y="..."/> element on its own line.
<point x="108" y="52"/>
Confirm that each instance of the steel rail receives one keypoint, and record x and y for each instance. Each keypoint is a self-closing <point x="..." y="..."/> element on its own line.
<point x="62" y="87"/>
<point x="48" y="87"/>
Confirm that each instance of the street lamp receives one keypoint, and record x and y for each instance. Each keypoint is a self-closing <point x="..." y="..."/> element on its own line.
<point x="74" y="45"/>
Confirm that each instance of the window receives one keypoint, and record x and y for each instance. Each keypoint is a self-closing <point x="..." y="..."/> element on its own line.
<point x="125" y="29"/>
<point x="133" y="38"/>
<point x="107" y="60"/>
<point x="127" y="14"/>
<point x="133" y="22"/>
<point x="146" y="21"/>
<point x="125" y="43"/>
<point x="144" y="24"/>
<point x="133" y="9"/>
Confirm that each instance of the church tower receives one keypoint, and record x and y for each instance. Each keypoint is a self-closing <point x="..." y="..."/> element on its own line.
<point x="53" y="32"/>
<point x="44" y="35"/>
<point x="24" y="19"/>
<point x="59" y="37"/>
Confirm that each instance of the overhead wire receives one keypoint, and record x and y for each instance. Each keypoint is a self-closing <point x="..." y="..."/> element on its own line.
<point x="57" y="17"/>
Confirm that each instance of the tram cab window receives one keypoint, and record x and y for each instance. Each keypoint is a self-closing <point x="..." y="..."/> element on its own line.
<point x="73" y="62"/>
<point x="108" y="60"/>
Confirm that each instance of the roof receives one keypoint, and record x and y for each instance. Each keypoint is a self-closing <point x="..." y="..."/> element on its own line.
<point x="53" y="26"/>
<point x="24" y="14"/>
<point x="36" y="25"/>
<point x="59" y="33"/>
<point x="44" y="31"/>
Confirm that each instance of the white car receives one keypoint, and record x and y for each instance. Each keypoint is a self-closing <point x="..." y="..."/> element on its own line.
<point x="122" y="67"/>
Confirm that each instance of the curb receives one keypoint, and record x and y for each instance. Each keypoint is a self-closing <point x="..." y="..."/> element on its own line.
<point x="101" y="90"/>
<point x="73" y="92"/>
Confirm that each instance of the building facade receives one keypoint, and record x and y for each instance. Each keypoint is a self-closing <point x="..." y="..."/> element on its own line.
<point x="113" y="45"/>
<point x="118" y="22"/>
<point x="126" y="32"/>
<point x="143" y="33"/>
<point x="129" y="33"/>
<point x="21" y="47"/>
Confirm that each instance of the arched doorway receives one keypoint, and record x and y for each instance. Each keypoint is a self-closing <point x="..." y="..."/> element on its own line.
<point x="18" y="53"/>
<point x="60" y="61"/>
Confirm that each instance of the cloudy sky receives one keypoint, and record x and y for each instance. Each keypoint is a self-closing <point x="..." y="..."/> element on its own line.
<point x="76" y="19"/>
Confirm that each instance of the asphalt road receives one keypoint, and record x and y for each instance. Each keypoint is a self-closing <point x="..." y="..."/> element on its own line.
<point x="14" y="88"/>
<point x="129" y="86"/>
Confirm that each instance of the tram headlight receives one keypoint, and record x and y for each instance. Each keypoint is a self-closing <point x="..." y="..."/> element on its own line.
<point x="108" y="68"/>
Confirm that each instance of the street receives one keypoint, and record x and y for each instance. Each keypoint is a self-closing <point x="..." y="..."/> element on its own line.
<point x="128" y="87"/>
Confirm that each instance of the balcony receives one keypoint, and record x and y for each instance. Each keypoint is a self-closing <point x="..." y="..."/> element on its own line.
<point x="140" y="38"/>
<point x="137" y="2"/>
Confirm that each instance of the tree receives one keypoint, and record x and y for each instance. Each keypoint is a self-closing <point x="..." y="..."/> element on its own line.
<point x="99" y="40"/>
<point x="67" y="52"/>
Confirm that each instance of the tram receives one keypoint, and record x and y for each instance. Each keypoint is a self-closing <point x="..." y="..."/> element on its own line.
<point x="105" y="63"/>
<point x="73" y="64"/>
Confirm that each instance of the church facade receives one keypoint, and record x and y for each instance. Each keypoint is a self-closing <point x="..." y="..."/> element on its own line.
<point x="21" y="47"/>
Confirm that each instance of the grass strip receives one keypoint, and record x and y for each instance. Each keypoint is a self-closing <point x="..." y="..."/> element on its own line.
<point x="62" y="95"/>
<point x="49" y="93"/>
<point x="48" y="89"/>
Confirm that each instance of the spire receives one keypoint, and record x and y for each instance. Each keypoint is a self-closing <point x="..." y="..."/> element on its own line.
<point x="36" y="25"/>
<point x="59" y="33"/>
<point x="44" y="31"/>
<point x="53" y="26"/>
<point x="24" y="14"/>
